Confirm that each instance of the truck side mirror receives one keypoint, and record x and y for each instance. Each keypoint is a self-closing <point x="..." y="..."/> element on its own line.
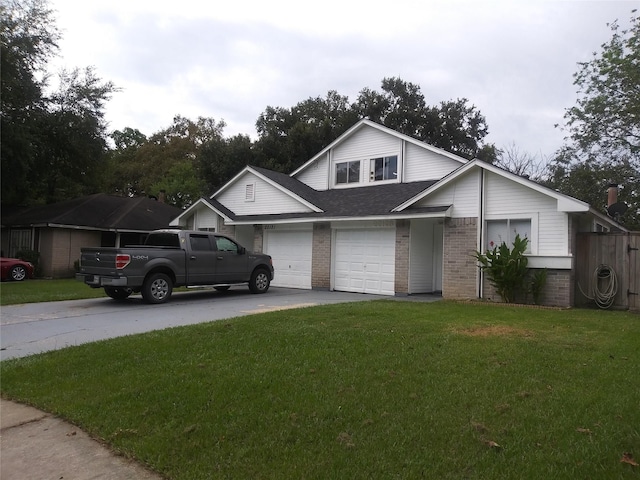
<point x="241" y="250"/>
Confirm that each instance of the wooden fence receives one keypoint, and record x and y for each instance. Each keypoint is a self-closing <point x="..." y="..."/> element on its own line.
<point x="607" y="270"/>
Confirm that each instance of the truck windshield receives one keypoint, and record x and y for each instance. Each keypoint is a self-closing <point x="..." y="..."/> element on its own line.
<point x="163" y="240"/>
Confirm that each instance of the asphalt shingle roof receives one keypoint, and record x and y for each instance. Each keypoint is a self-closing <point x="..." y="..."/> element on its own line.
<point x="100" y="211"/>
<point x="376" y="200"/>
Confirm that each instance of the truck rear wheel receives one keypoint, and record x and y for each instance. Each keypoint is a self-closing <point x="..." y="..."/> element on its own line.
<point x="118" y="293"/>
<point x="260" y="281"/>
<point x="157" y="288"/>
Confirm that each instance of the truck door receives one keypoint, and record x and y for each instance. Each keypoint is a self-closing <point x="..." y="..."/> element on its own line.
<point x="201" y="260"/>
<point x="231" y="262"/>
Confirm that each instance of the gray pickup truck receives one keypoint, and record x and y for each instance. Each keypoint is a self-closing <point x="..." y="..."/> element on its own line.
<point x="174" y="258"/>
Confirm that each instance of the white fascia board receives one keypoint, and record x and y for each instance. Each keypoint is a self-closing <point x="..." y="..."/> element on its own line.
<point x="231" y="182"/>
<point x="201" y="201"/>
<point x="276" y="185"/>
<point x="443" y="214"/>
<point x="436" y="186"/>
<point x="176" y="221"/>
<point x="565" y="202"/>
<point x="606" y="219"/>
<point x="382" y="128"/>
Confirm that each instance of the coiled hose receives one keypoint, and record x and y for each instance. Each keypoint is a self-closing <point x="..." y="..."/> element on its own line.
<point x="606" y="276"/>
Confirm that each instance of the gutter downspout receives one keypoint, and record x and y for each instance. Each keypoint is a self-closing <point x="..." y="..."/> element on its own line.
<point x="480" y="239"/>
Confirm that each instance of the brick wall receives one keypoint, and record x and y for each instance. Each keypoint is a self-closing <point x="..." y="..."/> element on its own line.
<point x="556" y="293"/>
<point x="402" y="257"/>
<point x="460" y="271"/>
<point x="228" y="230"/>
<point x="321" y="257"/>
<point x="60" y="248"/>
<point x="258" y="238"/>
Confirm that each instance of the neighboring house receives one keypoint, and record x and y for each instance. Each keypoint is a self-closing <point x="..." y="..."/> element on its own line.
<point x="380" y="212"/>
<point x="59" y="230"/>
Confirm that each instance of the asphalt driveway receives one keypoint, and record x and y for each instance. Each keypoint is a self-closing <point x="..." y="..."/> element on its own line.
<point x="39" y="327"/>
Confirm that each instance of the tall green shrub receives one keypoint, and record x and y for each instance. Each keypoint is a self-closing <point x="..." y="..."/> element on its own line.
<point x="506" y="268"/>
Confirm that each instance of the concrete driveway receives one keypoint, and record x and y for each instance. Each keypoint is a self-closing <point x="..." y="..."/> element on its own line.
<point x="39" y="327"/>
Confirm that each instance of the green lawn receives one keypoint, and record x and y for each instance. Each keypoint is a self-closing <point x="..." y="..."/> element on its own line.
<point x="31" y="291"/>
<point x="383" y="389"/>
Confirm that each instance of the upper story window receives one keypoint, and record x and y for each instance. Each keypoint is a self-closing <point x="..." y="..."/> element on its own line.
<point x="505" y="231"/>
<point x="383" y="168"/>
<point x="348" y="172"/>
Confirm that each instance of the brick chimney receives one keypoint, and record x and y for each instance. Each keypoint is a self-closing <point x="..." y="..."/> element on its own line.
<point x="612" y="194"/>
<point x="162" y="196"/>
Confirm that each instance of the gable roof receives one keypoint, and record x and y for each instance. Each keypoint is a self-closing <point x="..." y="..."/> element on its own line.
<point x="280" y="181"/>
<point x="368" y="123"/>
<point x="565" y="202"/>
<point x="98" y="212"/>
<point x="345" y="203"/>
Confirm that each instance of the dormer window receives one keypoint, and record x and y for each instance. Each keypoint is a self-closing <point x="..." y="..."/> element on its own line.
<point x="347" y="172"/>
<point x="383" y="168"/>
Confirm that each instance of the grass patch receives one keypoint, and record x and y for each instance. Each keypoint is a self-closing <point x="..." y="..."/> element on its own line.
<point x="33" y="291"/>
<point x="382" y="389"/>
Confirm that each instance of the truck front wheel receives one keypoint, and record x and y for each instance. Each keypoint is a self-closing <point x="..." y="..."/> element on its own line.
<point x="157" y="288"/>
<point x="260" y="281"/>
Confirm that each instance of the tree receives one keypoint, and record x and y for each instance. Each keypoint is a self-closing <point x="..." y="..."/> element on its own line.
<point x="524" y="164"/>
<point x="289" y="137"/>
<point x="60" y="133"/>
<point x="171" y="160"/>
<point x="29" y="38"/>
<point x="73" y="134"/>
<point x="603" y="128"/>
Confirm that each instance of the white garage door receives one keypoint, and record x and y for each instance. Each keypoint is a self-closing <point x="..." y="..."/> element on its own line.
<point x="365" y="261"/>
<point x="291" y="253"/>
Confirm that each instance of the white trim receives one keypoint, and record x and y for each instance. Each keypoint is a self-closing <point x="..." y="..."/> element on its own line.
<point x="442" y="214"/>
<point x="266" y="179"/>
<point x="564" y="262"/>
<point x="365" y="122"/>
<point x="565" y="203"/>
<point x="201" y="201"/>
<point x="532" y="216"/>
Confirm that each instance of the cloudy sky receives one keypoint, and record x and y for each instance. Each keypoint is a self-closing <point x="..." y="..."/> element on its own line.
<point x="513" y="60"/>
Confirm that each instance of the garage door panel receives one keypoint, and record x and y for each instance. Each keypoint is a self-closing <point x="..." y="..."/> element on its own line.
<point x="291" y="253"/>
<point x="365" y="261"/>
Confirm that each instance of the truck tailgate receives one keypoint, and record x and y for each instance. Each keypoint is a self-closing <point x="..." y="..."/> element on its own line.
<point x="99" y="261"/>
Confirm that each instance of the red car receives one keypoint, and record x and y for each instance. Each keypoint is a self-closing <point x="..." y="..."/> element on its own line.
<point x="15" y="269"/>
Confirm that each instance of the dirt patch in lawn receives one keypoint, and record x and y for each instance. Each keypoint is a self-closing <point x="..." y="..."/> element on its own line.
<point x="496" y="331"/>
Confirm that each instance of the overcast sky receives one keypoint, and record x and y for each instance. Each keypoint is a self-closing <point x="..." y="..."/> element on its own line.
<point x="228" y="60"/>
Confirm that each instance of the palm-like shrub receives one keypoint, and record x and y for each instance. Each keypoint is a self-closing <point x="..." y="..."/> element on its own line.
<point x="506" y="268"/>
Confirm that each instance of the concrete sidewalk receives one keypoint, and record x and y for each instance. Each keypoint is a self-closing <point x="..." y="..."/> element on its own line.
<point x="36" y="445"/>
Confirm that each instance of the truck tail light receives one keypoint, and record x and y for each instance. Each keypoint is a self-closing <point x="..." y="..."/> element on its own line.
<point x="122" y="261"/>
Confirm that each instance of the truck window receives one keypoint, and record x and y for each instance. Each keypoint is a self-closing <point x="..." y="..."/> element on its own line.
<point x="225" y="245"/>
<point x="163" y="240"/>
<point x="200" y="243"/>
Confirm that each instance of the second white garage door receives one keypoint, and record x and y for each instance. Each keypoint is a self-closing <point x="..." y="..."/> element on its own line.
<point x="291" y="254"/>
<point x="365" y="261"/>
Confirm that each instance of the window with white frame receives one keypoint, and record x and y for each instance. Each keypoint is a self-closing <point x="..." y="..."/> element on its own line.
<point x="505" y="231"/>
<point x="348" y="172"/>
<point x="383" y="168"/>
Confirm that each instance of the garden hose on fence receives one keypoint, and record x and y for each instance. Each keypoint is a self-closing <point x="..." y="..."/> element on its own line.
<point x="603" y="297"/>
